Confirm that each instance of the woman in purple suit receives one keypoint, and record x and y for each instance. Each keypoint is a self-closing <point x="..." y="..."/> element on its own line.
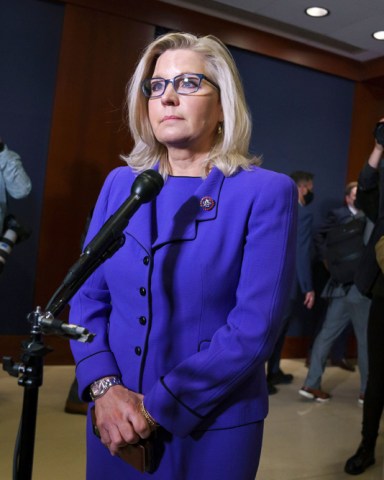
<point x="187" y="311"/>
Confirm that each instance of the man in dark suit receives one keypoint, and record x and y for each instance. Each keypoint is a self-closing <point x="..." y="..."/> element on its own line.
<point x="346" y="303"/>
<point x="302" y="289"/>
<point x="370" y="281"/>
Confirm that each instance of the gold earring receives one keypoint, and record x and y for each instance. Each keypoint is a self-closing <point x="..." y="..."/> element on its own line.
<point x="220" y="129"/>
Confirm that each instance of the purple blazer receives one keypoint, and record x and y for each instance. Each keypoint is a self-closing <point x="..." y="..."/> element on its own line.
<point x="190" y="319"/>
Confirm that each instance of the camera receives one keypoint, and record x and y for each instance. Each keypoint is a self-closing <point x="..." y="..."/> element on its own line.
<point x="379" y="133"/>
<point x="13" y="233"/>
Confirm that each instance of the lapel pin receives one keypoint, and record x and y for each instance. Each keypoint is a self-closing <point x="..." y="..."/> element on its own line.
<point x="207" y="203"/>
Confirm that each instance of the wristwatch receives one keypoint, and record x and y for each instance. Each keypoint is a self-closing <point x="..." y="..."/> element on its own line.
<point x="100" y="387"/>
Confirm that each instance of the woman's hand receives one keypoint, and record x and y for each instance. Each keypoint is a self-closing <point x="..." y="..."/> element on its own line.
<point x="119" y="418"/>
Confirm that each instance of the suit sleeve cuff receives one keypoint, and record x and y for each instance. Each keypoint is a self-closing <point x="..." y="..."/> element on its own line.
<point x="169" y="412"/>
<point x="93" y="368"/>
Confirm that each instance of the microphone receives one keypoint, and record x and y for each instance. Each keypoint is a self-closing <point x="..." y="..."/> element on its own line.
<point x="110" y="238"/>
<point x="144" y="189"/>
<point x="51" y="325"/>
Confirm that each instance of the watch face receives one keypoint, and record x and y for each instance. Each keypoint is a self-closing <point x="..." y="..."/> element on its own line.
<point x="96" y="389"/>
<point x="100" y="387"/>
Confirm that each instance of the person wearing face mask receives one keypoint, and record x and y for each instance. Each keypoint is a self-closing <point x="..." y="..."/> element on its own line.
<point x="340" y="244"/>
<point x="308" y="197"/>
<point x="302" y="289"/>
<point x="186" y="312"/>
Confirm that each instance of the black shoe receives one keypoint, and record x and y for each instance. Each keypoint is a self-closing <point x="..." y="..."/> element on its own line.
<point x="362" y="459"/>
<point x="279" y="378"/>
<point x="271" y="389"/>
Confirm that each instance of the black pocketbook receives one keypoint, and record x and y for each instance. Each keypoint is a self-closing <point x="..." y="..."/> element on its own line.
<point x="138" y="455"/>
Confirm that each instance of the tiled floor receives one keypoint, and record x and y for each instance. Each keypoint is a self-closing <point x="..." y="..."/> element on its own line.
<point x="303" y="440"/>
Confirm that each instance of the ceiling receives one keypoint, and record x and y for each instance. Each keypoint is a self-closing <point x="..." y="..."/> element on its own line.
<point x="347" y="31"/>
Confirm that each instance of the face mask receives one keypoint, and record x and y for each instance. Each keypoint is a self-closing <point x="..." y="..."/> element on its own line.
<point x="308" y="197"/>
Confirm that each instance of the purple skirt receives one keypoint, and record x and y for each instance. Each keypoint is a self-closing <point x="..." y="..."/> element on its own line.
<point x="226" y="454"/>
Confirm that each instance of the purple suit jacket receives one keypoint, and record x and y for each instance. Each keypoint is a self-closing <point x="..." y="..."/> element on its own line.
<point x="190" y="319"/>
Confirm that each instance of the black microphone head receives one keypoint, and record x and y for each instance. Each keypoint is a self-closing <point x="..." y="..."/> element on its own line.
<point x="147" y="185"/>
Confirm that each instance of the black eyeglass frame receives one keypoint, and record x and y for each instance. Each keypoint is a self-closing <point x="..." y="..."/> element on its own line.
<point x="201" y="77"/>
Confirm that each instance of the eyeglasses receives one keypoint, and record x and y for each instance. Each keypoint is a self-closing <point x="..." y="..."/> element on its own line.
<point x="184" y="84"/>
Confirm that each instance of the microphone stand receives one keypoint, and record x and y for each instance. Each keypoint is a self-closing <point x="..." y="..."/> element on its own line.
<point x="34" y="350"/>
<point x="30" y="369"/>
<point x="108" y="240"/>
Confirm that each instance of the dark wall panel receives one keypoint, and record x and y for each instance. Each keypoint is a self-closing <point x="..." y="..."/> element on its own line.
<point x="30" y="36"/>
<point x="301" y="121"/>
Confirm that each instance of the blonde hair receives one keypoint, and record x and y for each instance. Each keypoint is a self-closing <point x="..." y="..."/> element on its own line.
<point x="230" y="150"/>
